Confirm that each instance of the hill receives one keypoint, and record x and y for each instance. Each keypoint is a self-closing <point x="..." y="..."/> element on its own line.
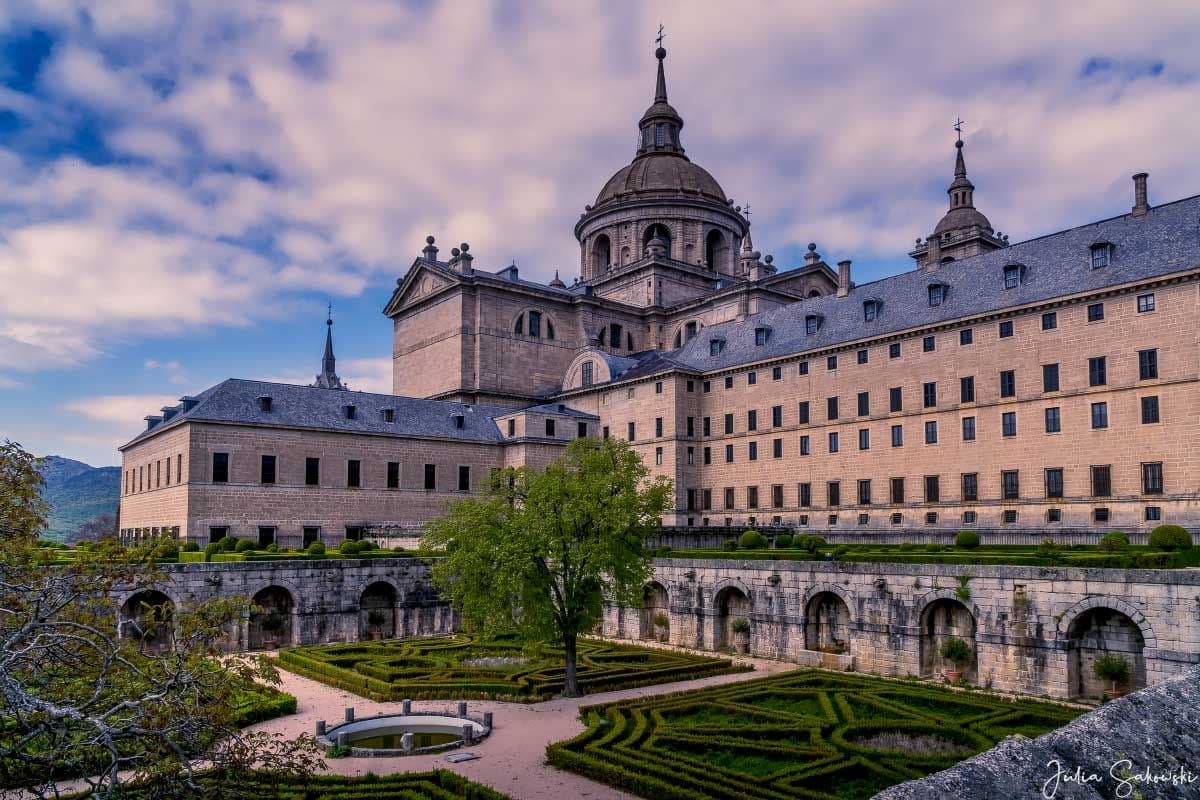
<point x="76" y="493"/>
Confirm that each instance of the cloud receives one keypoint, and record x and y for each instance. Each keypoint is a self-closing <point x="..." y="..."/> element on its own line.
<point x="359" y="374"/>
<point x="123" y="410"/>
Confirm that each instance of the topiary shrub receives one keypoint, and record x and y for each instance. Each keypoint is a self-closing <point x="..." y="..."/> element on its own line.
<point x="907" y="546"/>
<point x="211" y="549"/>
<point x="1170" y="537"/>
<point x="228" y="544"/>
<point x="272" y="548"/>
<point x="191" y="547"/>
<point x="244" y="546"/>
<point x="783" y="540"/>
<point x="967" y="540"/>
<point x="752" y="540"/>
<point x="1114" y="541"/>
<point x="349" y="547"/>
<point x="1050" y="551"/>
<point x="167" y="550"/>
<point x="730" y="545"/>
<point x="316" y="549"/>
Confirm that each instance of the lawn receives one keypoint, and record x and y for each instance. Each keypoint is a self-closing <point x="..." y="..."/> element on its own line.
<point x="465" y="667"/>
<point x="806" y="734"/>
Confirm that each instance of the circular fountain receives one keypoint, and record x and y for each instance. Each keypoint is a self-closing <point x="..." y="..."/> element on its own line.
<point x="404" y="734"/>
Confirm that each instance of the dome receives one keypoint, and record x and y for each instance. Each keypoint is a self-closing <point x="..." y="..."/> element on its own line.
<point x="661" y="174"/>
<point x="961" y="218"/>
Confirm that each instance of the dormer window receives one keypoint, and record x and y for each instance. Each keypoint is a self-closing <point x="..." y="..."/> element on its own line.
<point x="761" y="336"/>
<point x="716" y="346"/>
<point x="937" y="293"/>
<point x="351" y="411"/>
<point x="870" y="310"/>
<point x="1101" y="254"/>
<point x="1013" y="275"/>
<point x="389" y="415"/>
<point x="264" y="403"/>
<point x="459" y="421"/>
<point x="812" y="323"/>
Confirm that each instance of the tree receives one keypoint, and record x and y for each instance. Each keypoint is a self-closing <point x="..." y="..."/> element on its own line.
<point x="540" y="550"/>
<point x="101" y="526"/>
<point x="23" y="510"/>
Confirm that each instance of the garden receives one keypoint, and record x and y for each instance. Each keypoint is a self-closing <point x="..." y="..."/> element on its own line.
<point x="435" y="785"/>
<point x="805" y="734"/>
<point x="467" y="667"/>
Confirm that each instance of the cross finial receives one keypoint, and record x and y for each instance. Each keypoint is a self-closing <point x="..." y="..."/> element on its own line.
<point x="958" y="123"/>
<point x="329" y="315"/>
<point x="658" y="40"/>
<point x="747" y="211"/>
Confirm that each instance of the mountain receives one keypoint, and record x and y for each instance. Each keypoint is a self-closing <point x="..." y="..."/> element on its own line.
<point x="76" y="493"/>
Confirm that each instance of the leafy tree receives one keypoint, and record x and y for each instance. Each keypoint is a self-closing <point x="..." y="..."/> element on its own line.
<point x="23" y="510"/>
<point x="540" y="550"/>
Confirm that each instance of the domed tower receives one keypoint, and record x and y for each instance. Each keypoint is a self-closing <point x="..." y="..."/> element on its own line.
<point x="661" y="209"/>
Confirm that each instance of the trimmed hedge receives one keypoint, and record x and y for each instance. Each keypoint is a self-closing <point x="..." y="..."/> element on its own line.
<point x="967" y="540"/>
<point x="438" y="784"/>
<point x="1170" y="537"/>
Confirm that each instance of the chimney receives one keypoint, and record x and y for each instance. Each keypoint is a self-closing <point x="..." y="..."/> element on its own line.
<point x="812" y="256"/>
<point x="152" y="421"/>
<point x="843" y="278"/>
<point x="933" y="253"/>
<point x="430" y="252"/>
<point x="465" y="259"/>
<point x="1140" y="202"/>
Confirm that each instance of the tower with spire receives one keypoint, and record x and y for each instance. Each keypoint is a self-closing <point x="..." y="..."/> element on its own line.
<point x="328" y="378"/>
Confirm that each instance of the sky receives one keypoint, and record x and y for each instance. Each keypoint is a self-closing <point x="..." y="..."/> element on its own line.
<point x="185" y="186"/>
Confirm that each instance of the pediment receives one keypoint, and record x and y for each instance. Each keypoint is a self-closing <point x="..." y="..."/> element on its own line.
<point x="422" y="281"/>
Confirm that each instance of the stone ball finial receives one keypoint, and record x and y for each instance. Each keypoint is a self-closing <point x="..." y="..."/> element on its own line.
<point x="737" y="208"/>
<point x="454" y="252"/>
<point x="464" y="247"/>
<point x="660" y="53"/>
<point x="757" y="255"/>
<point x="429" y="240"/>
<point x="812" y="247"/>
<point x="769" y="258"/>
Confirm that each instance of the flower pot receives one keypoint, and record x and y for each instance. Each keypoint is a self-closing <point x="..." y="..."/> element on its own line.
<point x="952" y="675"/>
<point x="1113" y="694"/>
<point x="741" y="642"/>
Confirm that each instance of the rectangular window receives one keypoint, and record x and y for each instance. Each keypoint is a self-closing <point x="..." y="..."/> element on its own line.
<point x="1100" y="515"/>
<point x="933" y="489"/>
<point x="604" y="432"/>
<point x="354" y="473"/>
<point x="752" y="449"/>
<point x="535" y="328"/>
<point x="776" y="416"/>
<point x="220" y="468"/>
<point x="728" y="423"/>
<point x="1152" y="478"/>
<point x="804" y="412"/>
<point x="729" y="498"/>
<point x="777" y="373"/>
<point x="862" y="356"/>
<point x="751" y="497"/>
<point x="777" y="448"/>
<point x="894" y="350"/>
<point x="751" y="378"/>
<point x="168" y="471"/>
<point x="803" y="367"/>
<point x="728" y="381"/>
<point x="1053" y="420"/>
<point x="706" y="499"/>
<point x="966" y="389"/>
<point x="728" y="454"/>
<point x="1097" y="371"/>
<point x="897" y="490"/>
<point x="464" y="479"/>
<point x="312" y="471"/>
<point x="897" y="436"/>
<point x="833" y="442"/>
<point x="587" y="373"/>
<point x="581" y="430"/>
<point x="430" y="477"/>
<point x="631" y="429"/>
<point x="1147" y="364"/>
<point x="1054" y="482"/>
<point x="1009" y="517"/>
<point x="691" y="426"/>
<point x="658" y="453"/>
<point x="658" y="387"/>
<point x="1006" y="329"/>
<point x="895" y="399"/>
<point x="805" y="491"/>
<point x="512" y="427"/>
<point x="864" y="439"/>
<point x="966" y="336"/>
<point x="970" y="517"/>
<point x="970" y="486"/>
<point x="864" y="492"/>
<point x="266" y="537"/>
<point x="931" y="432"/>
<point x="1012" y="276"/>
<point x="1145" y="302"/>
<point x="1010" y="483"/>
<point x="831" y="408"/>
<point x="1149" y="410"/>
<point x="831" y="363"/>
<point x="928" y="344"/>
<point x="1153" y="513"/>
<point x="179" y="468"/>
<point x="929" y="393"/>
<point x="864" y="404"/>
<point x="658" y="427"/>
<point x="311" y="534"/>
<point x="1095" y="312"/>
<point x="1053" y="515"/>
<point x="708" y="455"/>
<point x="393" y="475"/>
<point x="777" y="496"/>
<point x="804" y="448"/>
<point x="1102" y="481"/>
<point x="1008" y="383"/>
<point x="706" y="426"/>
<point x="1008" y="422"/>
<point x="1049" y="321"/>
<point x="968" y="429"/>
<point x="751" y="420"/>
<point x="267" y="470"/>
<point x="707" y="386"/>
<point x="1099" y="415"/>
<point x="1050" y="377"/>
<point x="833" y="493"/>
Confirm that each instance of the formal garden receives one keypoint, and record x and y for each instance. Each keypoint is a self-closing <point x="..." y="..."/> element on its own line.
<point x="468" y="667"/>
<point x="804" y="734"/>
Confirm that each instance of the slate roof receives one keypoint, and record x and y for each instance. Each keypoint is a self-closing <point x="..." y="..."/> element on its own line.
<point x="555" y="408"/>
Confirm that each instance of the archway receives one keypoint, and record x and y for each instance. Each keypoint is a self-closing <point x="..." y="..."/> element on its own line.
<point x="601" y="254"/>
<point x="148" y="617"/>
<point x="733" y="614"/>
<point x="716" y="250"/>
<point x="827" y="623"/>
<point x="377" y="611"/>
<point x="659" y="230"/>
<point x="1098" y="632"/>
<point x="814" y="293"/>
<point x="271" y="621"/>
<point x="655" y="621"/>
<point x="943" y="619"/>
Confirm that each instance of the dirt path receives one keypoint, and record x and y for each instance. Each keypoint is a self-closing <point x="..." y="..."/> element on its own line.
<point x="513" y="759"/>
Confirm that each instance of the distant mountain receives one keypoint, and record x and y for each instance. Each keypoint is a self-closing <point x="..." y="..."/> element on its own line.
<point x="76" y="493"/>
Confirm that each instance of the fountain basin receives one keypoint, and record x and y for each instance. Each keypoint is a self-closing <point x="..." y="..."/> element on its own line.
<point x="384" y="735"/>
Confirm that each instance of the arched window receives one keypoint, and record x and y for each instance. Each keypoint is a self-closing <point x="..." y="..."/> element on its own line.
<point x="613" y="334"/>
<point x="601" y="254"/>
<point x="659" y="230"/>
<point x="533" y="323"/>
<point x="586" y="373"/>
<point x="814" y="293"/>
<point x="715" y="250"/>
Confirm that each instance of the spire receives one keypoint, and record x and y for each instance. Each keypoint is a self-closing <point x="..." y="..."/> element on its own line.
<point x="661" y="123"/>
<point x="660" y="90"/>
<point x="961" y="190"/>
<point x="328" y="378"/>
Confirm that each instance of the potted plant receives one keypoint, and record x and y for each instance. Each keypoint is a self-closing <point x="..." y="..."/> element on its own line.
<point x="741" y="634"/>
<point x="958" y="653"/>
<point x="375" y="620"/>
<point x="271" y="624"/>
<point x="661" y="626"/>
<point x="1113" y="668"/>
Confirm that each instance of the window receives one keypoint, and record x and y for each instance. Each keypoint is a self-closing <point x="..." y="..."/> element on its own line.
<point x="805" y="495"/>
<point x="1145" y="302"/>
<point x="266" y="536"/>
<point x="894" y="350"/>
<point x="933" y="488"/>
<point x="658" y="427"/>
<point x="803" y="368"/>
<point x="936" y="293"/>
<point x="311" y="534"/>
<point x="777" y="496"/>
<point x="1153" y="513"/>
<point x="312" y="471"/>
<point x="658" y="453"/>
<point x="691" y="427"/>
<point x="864" y="492"/>
<point x="1053" y="420"/>
<point x="862" y="356"/>
<point x="430" y="477"/>
<point x="929" y="394"/>
<point x="777" y="448"/>
<point x="658" y="387"/>
<point x="354" y="473"/>
<point x="707" y="386"/>
<point x="1097" y="371"/>
<point x="715" y="346"/>
<point x="464" y="479"/>
<point x="1152" y="478"/>
<point x="831" y="408"/>
<point x="751" y="497"/>
<point x="1010" y="484"/>
<point x="708" y="455"/>
<point x="267" y="470"/>
<point x="833" y="519"/>
<point x="1095" y="312"/>
<point x="631" y="429"/>
<point x="1100" y="514"/>
<point x="897" y="490"/>
<point x="729" y="423"/>
<point x="393" y="475"/>
<point x="776" y="373"/>
<point x="1054" y="482"/>
<point x="968" y="429"/>
<point x="614" y="333"/>
<point x="966" y="336"/>
<point x="1102" y="481"/>
<point x="581" y="430"/>
<point x="1100" y="253"/>
<point x="970" y="486"/>
<point x="220" y="468"/>
<point x="970" y="517"/>
<point x="1009" y="517"/>
<point x="751" y="378"/>
<point x="895" y="399"/>
<point x="897" y="519"/>
<point x="751" y="420"/>
<point x="1012" y="276"/>
<point x="706" y="426"/>
<point x="931" y="432"/>
<point x="753" y="451"/>
<point x="966" y="389"/>
<point x="897" y="436"/>
<point x="550" y="427"/>
<point x="729" y="498"/>
<point x="604" y="432"/>
<point x="728" y="381"/>
<point x="1008" y="383"/>
<point x="811" y="323"/>
<point x="1049" y="321"/>
<point x="870" y="310"/>
<point x="831" y="363"/>
<point x="706" y="500"/>
<point x="804" y="412"/>
<point x="928" y="344"/>
<point x="1006" y="329"/>
<point x="1049" y="377"/>
<point x="833" y="493"/>
<point x="864" y="404"/>
<point x="587" y="373"/>
<point x="761" y="336"/>
<point x="728" y="454"/>
<point x="1053" y="515"/>
<point x="776" y="416"/>
<point x="864" y="439"/>
<point x="833" y="442"/>
<point x="1099" y="415"/>
<point x="930" y="517"/>
<point x="1150" y="410"/>
<point x="1147" y="364"/>
<point x="804" y="448"/>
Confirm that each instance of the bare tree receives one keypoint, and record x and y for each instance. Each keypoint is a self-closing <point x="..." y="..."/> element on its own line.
<point x="101" y="526"/>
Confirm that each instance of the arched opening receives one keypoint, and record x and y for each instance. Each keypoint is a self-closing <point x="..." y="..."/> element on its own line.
<point x="625" y="254"/>
<point x="148" y="617"/>
<point x="814" y="293"/>
<point x="655" y="621"/>
<point x="731" y="628"/>
<point x="377" y="612"/>
<point x="657" y="230"/>
<point x="942" y="620"/>
<point x="827" y="624"/>
<point x="716" y="250"/>
<point x="271" y="621"/>
<point x="601" y="254"/>
<point x="1100" y="632"/>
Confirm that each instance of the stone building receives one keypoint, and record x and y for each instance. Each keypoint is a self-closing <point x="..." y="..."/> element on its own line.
<point x="1046" y="385"/>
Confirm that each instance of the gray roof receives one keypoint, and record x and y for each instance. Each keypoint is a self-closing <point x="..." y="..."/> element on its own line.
<point x="1165" y="241"/>
<point x="554" y="408"/>
<point x="292" y="406"/>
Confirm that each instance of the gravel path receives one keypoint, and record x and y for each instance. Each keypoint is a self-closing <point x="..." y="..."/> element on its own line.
<point x="513" y="759"/>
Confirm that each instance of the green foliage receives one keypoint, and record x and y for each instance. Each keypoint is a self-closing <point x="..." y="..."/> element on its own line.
<point x="1114" y="541"/>
<point x="956" y="651"/>
<point x="316" y="549"/>
<point x="740" y="625"/>
<point x="809" y="542"/>
<point x="244" y="546"/>
<point x="1111" y="667"/>
<point x="967" y="540"/>
<point x="190" y="547"/>
<point x="731" y="545"/>
<point x="350" y="547"/>
<point x="907" y="546"/>
<point x="167" y="550"/>
<point x="23" y="510"/>
<point x="211" y="549"/>
<point x="228" y="543"/>
<point x="752" y="540"/>
<point x="436" y="785"/>
<point x="783" y="540"/>
<point x="1170" y="537"/>
<point x="1050" y="551"/>
<point x="963" y="591"/>
<point x="539" y="550"/>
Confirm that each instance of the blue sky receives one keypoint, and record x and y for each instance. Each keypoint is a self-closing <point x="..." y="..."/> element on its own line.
<point x="185" y="186"/>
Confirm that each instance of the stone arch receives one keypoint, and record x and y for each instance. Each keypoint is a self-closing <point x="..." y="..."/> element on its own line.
<point x="547" y="325"/>
<point x="732" y="601"/>
<point x="941" y="615"/>
<point x="827" y="620"/>
<point x="377" y="604"/>
<point x="814" y="293"/>
<point x="684" y="334"/>
<point x="272" y="622"/>
<point x="601" y="254"/>
<point x="1114" y="603"/>
<point x="1100" y="626"/>
<point x="658" y="229"/>
<point x="716" y="250"/>
<point x="148" y="616"/>
<point x="655" y="602"/>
